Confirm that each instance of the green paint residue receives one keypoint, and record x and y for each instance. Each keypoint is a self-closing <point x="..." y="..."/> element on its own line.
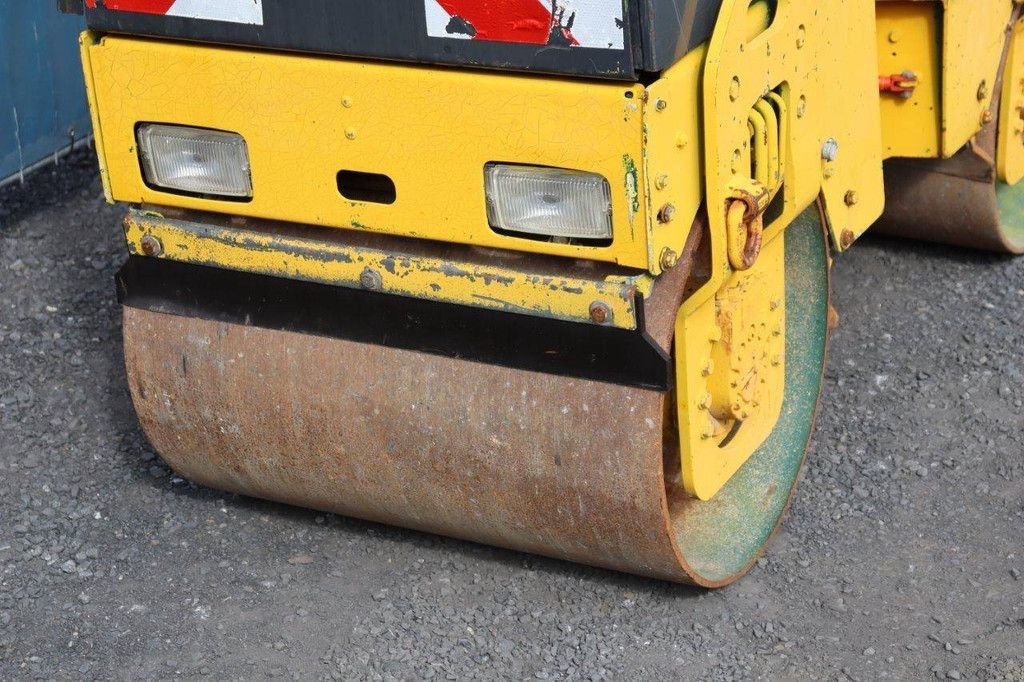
<point x="632" y="187"/>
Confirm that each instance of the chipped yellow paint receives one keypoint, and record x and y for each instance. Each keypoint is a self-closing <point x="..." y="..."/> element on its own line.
<point x="908" y="41"/>
<point x="85" y="42"/>
<point x="431" y="130"/>
<point x="405" y="274"/>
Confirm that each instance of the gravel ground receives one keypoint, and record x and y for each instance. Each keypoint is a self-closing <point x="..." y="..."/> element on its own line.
<point x="903" y="555"/>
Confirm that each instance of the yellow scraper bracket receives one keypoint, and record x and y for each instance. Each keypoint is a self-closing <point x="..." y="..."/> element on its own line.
<point x="1010" y="150"/>
<point x="973" y="36"/>
<point x="730" y="355"/>
<point x="829" y="132"/>
<point x="791" y="115"/>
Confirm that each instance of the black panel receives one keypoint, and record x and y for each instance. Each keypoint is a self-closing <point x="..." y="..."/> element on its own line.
<point x="671" y="28"/>
<point x="585" y="351"/>
<point x="385" y="29"/>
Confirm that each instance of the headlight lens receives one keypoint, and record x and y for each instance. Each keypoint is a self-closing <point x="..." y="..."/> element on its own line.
<point x="195" y="160"/>
<point x="550" y="202"/>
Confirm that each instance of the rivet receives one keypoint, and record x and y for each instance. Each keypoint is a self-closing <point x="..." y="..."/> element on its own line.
<point x="350" y="133"/>
<point x="151" y="246"/>
<point x="370" y="280"/>
<point x="667" y="212"/>
<point x="600" y="312"/>
<point x="669" y="259"/>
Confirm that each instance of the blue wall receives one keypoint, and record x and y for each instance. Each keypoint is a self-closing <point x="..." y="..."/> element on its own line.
<point x="41" y="91"/>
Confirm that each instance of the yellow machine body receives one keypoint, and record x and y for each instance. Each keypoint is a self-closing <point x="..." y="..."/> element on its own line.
<point x="729" y="172"/>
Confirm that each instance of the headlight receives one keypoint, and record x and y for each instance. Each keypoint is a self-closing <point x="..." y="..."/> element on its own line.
<point x="195" y="160"/>
<point x="549" y="202"/>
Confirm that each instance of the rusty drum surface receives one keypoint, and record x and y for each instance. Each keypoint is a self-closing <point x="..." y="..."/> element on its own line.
<point x="570" y="468"/>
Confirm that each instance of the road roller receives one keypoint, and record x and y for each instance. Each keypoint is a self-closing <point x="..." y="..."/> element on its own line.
<point x="551" y="275"/>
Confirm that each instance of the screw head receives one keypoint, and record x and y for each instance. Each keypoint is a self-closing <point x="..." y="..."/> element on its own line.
<point x="151" y="246"/>
<point x="669" y="259"/>
<point x="370" y="280"/>
<point x="850" y="198"/>
<point x="600" y="313"/>
<point x="667" y="212"/>
<point x="830" y="149"/>
<point x="350" y="133"/>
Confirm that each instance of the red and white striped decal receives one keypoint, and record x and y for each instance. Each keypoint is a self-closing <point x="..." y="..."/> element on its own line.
<point x="569" y="23"/>
<point x="233" y="11"/>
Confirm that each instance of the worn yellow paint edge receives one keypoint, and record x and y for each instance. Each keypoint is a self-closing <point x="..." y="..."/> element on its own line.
<point x="404" y="274"/>
<point x="85" y="41"/>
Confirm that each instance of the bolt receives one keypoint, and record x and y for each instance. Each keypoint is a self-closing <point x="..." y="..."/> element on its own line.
<point x="830" y="150"/>
<point x="600" y="313"/>
<point x="847" y="238"/>
<point x="667" y="212"/>
<point x="661" y="182"/>
<point x="669" y="259"/>
<point x="983" y="91"/>
<point x="346" y="102"/>
<point x="370" y="280"/>
<point x="151" y="246"/>
<point x="350" y="133"/>
<point x="661" y="105"/>
<point x="986" y="117"/>
<point x="850" y="198"/>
